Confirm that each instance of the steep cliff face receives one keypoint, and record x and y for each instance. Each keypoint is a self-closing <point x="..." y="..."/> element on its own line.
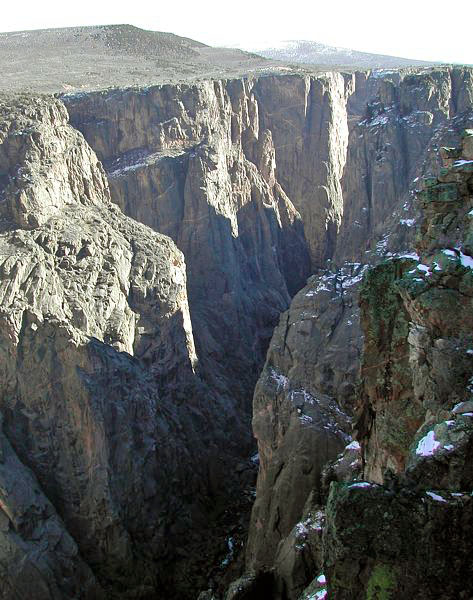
<point x="254" y="178"/>
<point x="127" y="374"/>
<point x="385" y="536"/>
<point x="192" y="162"/>
<point x="396" y="125"/>
<point x="109" y="451"/>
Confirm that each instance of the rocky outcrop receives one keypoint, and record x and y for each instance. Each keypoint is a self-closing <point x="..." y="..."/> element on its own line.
<point x="298" y="425"/>
<point x="109" y="437"/>
<point x="192" y="162"/>
<point x="225" y="167"/>
<point x="317" y="345"/>
<point x="127" y="374"/>
<point x="385" y="536"/>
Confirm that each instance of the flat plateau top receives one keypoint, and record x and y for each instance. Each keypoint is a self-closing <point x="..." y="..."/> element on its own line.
<point x="99" y="57"/>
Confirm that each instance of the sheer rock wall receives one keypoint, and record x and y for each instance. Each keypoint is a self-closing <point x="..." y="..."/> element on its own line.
<point x="127" y="373"/>
<point x="387" y="534"/>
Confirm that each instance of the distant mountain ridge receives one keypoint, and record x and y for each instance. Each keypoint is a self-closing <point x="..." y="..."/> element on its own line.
<point x="101" y="56"/>
<point x="308" y="52"/>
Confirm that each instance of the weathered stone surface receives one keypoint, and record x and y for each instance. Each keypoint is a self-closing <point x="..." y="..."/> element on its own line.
<point x="317" y="344"/>
<point x="193" y="162"/>
<point x="396" y="122"/>
<point x="98" y="387"/>
<point x="299" y="555"/>
<point x="257" y="181"/>
<point x="298" y="425"/>
<point x="382" y="544"/>
<point x="413" y="420"/>
<point x="35" y="546"/>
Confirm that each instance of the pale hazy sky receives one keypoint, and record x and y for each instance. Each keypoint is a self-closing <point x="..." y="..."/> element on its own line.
<point x="422" y="29"/>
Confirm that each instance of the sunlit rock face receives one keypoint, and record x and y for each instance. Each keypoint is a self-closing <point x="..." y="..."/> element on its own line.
<point x="107" y="440"/>
<point x="194" y="163"/>
<point x="131" y="345"/>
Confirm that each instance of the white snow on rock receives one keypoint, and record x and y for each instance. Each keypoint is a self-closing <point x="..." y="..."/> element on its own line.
<point x="314" y="523"/>
<point x="360" y="484"/>
<point x="382" y="244"/>
<point x="425" y="269"/>
<point x="466" y="261"/>
<point x="307" y="398"/>
<point x="306" y="419"/>
<point x="353" y="446"/>
<point x="231" y="547"/>
<point x="427" y="445"/>
<point x="435" y="496"/>
<point x="279" y="378"/>
<point x="321" y="579"/>
<point x="449" y="252"/>
<point x="349" y="281"/>
<point x="408" y="222"/>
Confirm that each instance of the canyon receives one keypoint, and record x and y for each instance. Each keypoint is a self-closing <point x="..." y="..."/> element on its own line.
<point x="181" y="264"/>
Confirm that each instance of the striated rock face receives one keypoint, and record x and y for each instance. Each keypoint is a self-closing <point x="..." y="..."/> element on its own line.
<point x="108" y="449"/>
<point x="231" y="171"/>
<point x="193" y="163"/>
<point x="385" y="536"/>
<point x="396" y="124"/>
<point x="298" y="424"/>
<point x="126" y="374"/>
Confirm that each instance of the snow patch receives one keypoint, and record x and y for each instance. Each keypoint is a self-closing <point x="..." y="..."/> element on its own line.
<point x="435" y="497"/>
<point x="361" y="484"/>
<point x="412" y="255"/>
<point x="449" y="252"/>
<point x="279" y="378"/>
<point x="427" y="445"/>
<point x="424" y="268"/>
<point x="231" y="548"/>
<point x="466" y="261"/>
<point x="353" y="446"/>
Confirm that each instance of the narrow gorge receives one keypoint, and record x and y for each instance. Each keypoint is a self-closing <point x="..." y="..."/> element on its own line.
<point x="180" y="270"/>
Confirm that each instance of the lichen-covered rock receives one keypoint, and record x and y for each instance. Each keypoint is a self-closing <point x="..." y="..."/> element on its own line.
<point x="385" y="544"/>
<point x="414" y="421"/>
<point x="387" y="390"/>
